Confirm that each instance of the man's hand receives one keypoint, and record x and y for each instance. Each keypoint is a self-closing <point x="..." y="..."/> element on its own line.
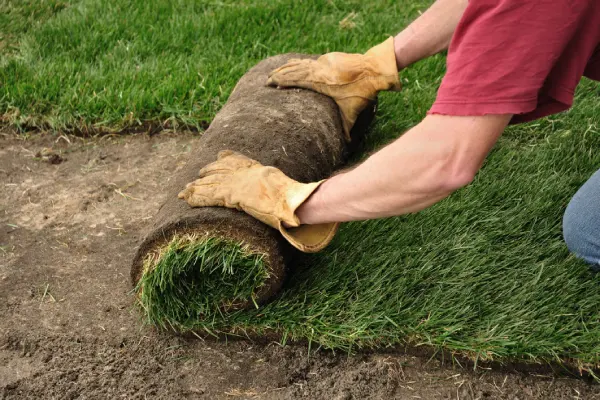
<point x="266" y="193"/>
<point x="352" y="80"/>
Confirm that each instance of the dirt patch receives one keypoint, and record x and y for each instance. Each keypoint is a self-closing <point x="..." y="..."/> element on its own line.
<point x="67" y="235"/>
<point x="128" y="126"/>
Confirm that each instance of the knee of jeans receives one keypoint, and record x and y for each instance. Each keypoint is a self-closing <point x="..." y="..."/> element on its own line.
<point x="576" y="233"/>
<point x="571" y="230"/>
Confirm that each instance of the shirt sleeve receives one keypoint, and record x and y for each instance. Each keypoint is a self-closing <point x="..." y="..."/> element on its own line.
<point x="502" y="54"/>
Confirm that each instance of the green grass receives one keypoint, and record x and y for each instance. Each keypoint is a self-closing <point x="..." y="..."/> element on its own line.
<point x="483" y="273"/>
<point x="113" y="64"/>
<point x="17" y="17"/>
<point x="197" y="277"/>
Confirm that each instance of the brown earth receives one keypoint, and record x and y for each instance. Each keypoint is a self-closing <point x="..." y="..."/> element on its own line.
<point x="71" y="211"/>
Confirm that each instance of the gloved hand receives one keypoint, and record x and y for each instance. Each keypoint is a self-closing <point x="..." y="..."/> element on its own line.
<point x="266" y="193"/>
<point x="352" y="80"/>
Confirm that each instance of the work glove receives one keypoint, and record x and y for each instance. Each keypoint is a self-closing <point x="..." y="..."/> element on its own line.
<point x="266" y="193"/>
<point x="352" y="80"/>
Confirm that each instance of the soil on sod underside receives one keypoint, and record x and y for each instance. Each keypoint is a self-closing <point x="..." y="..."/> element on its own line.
<point x="298" y="131"/>
<point x="68" y="231"/>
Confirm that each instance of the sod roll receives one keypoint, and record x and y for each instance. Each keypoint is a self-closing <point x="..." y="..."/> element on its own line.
<point x="195" y="262"/>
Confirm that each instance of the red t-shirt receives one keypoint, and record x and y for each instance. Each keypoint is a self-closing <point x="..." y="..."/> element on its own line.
<point x="522" y="57"/>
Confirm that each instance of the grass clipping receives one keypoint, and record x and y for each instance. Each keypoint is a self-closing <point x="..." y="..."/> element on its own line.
<point x="195" y="276"/>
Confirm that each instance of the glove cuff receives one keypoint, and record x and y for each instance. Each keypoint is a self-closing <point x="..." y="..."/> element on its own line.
<point x="306" y="238"/>
<point x="310" y="238"/>
<point x="383" y="58"/>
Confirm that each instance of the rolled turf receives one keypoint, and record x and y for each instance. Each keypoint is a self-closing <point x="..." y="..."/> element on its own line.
<point x="198" y="263"/>
<point x="195" y="276"/>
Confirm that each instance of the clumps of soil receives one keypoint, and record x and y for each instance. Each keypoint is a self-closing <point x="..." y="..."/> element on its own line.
<point x="72" y="368"/>
<point x="50" y="156"/>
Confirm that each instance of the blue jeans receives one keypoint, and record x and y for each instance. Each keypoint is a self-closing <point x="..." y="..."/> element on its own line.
<point x="581" y="222"/>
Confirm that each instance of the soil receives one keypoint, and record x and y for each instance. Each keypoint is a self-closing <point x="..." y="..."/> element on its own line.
<point x="71" y="213"/>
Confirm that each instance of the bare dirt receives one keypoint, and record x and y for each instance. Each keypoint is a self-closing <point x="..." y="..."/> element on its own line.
<point x="71" y="213"/>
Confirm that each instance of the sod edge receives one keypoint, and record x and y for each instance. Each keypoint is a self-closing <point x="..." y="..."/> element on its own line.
<point x="197" y="277"/>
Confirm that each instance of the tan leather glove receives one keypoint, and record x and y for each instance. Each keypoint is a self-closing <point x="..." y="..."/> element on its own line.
<point x="266" y="193"/>
<point x="352" y="80"/>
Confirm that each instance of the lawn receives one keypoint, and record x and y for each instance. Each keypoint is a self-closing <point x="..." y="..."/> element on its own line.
<point x="484" y="273"/>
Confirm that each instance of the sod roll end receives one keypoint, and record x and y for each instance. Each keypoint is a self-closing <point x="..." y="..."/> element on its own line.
<point x="195" y="262"/>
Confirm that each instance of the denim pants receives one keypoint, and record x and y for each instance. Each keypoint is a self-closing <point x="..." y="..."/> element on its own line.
<point x="581" y="222"/>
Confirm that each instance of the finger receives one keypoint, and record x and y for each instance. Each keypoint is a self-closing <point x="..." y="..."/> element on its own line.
<point x="292" y="62"/>
<point x="205" y="196"/>
<point x="350" y="108"/>
<point x="286" y="69"/>
<point x="216" y="168"/>
<point x="299" y="76"/>
<point x="219" y="164"/>
<point x="202" y="195"/>
<point x="226" y="153"/>
<point x="283" y="83"/>
<point x="227" y="165"/>
<point x="210" y="180"/>
<point x="185" y="193"/>
<point x="197" y="199"/>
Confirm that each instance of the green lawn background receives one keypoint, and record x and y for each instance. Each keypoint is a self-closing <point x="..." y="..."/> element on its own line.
<point x="484" y="273"/>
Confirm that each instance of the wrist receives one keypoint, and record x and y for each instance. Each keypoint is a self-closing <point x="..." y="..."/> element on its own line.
<point x="314" y="210"/>
<point x="401" y="53"/>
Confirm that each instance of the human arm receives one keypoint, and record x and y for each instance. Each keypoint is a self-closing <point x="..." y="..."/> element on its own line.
<point x="425" y="165"/>
<point x="430" y="33"/>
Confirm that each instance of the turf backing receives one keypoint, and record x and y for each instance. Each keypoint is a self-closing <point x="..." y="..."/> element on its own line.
<point x="483" y="273"/>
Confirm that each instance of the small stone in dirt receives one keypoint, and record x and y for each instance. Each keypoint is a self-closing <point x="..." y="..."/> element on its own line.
<point x="344" y="396"/>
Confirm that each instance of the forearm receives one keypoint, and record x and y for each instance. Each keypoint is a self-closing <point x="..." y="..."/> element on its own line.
<point x="399" y="179"/>
<point x="430" y="33"/>
<point x="420" y="168"/>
